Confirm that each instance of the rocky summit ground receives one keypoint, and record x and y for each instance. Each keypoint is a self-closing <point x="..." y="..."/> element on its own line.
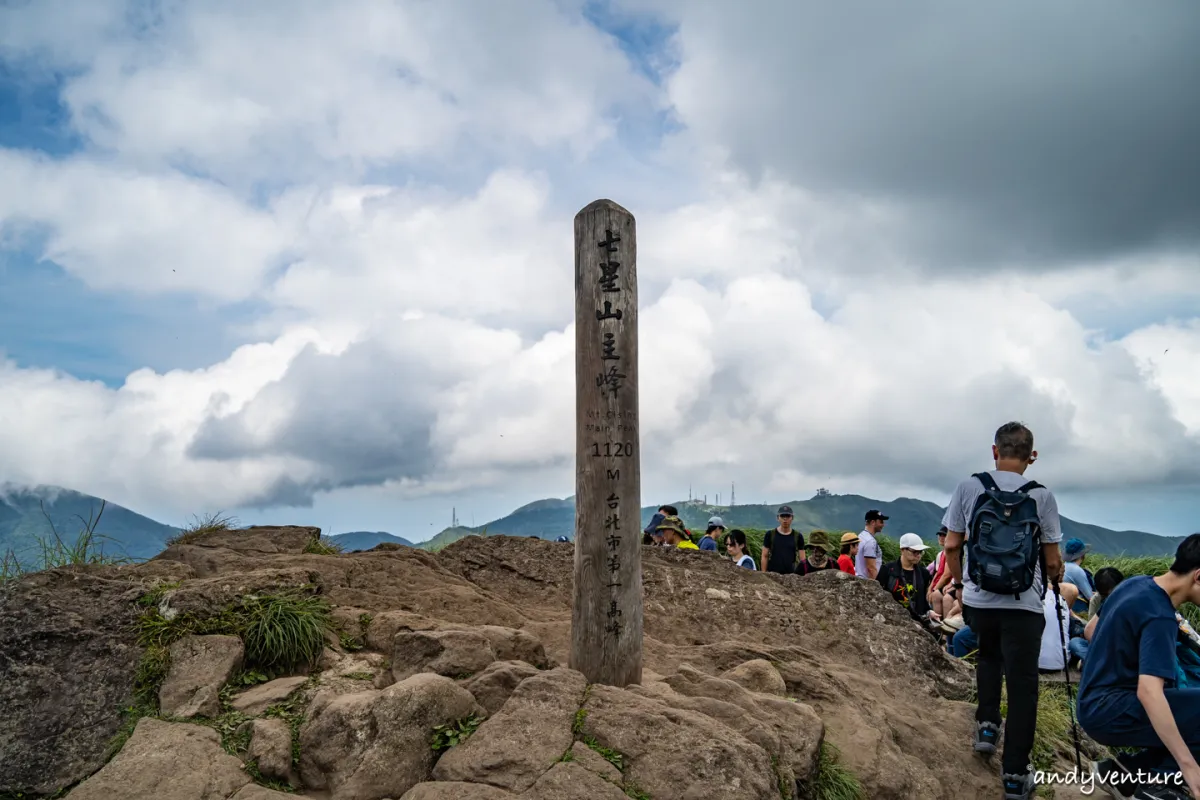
<point x="444" y="678"/>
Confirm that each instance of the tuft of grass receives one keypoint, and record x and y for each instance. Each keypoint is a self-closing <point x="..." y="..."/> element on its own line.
<point x="577" y="724"/>
<point x="201" y="526"/>
<point x="609" y="755"/>
<point x="350" y="643"/>
<point x="1053" y="735"/>
<point x="833" y="781"/>
<point x="446" y="736"/>
<point x="566" y="757"/>
<point x="636" y="793"/>
<point x="283" y="631"/>
<point x="55" y="551"/>
<point x="359" y="676"/>
<point x="323" y="547"/>
<point x="785" y="791"/>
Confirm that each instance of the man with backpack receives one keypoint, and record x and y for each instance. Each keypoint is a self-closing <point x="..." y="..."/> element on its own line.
<point x="1010" y="528"/>
<point x="783" y="547"/>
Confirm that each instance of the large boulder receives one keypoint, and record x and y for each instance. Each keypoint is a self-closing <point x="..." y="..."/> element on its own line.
<point x="375" y="744"/>
<point x="569" y="781"/>
<point x="68" y="657"/>
<point x="167" y="761"/>
<point x="455" y="653"/>
<point x="524" y="739"/>
<point x="669" y="752"/>
<point x="493" y="686"/>
<point x="200" y="666"/>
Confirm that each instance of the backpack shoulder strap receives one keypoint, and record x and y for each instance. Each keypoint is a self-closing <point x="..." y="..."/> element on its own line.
<point x="1029" y="487"/>
<point x="988" y="482"/>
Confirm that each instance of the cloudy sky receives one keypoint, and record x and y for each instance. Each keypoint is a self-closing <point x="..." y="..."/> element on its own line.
<point x="312" y="262"/>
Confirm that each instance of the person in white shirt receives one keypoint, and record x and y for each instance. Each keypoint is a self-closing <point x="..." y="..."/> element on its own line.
<point x="868" y="560"/>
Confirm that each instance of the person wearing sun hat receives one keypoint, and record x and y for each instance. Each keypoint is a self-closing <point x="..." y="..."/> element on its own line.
<point x="849" y="550"/>
<point x="675" y="535"/>
<point x="906" y="580"/>
<point x="1073" y="572"/>
<point x="819" y="548"/>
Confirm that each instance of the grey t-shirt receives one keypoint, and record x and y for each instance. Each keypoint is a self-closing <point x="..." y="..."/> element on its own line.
<point x="867" y="548"/>
<point x="958" y="518"/>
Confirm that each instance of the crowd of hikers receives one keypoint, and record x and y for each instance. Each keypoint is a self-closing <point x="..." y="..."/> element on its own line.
<point x="1006" y="590"/>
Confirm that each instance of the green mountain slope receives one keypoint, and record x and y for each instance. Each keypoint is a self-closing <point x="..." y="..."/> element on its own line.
<point x="549" y="519"/>
<point x="120" y="532"/>
<point x="365" y="540"/>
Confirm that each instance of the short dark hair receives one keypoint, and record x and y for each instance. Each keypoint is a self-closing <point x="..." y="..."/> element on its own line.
<point x="670" y="511"/>
<point x="737" y="536"/>
<point x="1107" y="579"/>
<point x="1187" y="555"/>
<point x="846" y="548"/>
<point x="1014" y="440"/>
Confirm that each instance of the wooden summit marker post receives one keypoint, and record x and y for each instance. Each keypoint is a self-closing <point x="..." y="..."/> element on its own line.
<point x="606" y="618"/>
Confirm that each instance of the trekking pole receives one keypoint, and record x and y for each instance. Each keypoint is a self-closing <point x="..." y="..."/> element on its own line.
<point x="1062" y="634"/>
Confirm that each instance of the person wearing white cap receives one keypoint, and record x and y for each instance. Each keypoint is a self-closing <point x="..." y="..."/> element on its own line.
<point x="716" y="527"/>
<point x="906" y="581"/>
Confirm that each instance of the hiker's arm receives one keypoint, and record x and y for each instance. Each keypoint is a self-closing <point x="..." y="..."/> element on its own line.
<point x="1054" y="562"/>
<point x="1089" y="630"/>
<point x="953" y="548"/>
<point x="1150" y="694"/>
<point x="766" y="551"/>
<point x="872" y="570"/>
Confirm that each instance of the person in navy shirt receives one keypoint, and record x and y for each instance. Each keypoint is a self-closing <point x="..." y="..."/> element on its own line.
<point x="1127" y="693"/>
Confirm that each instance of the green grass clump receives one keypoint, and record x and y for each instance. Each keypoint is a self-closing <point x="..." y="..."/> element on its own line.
<point x="55" y="551"/>
<point x="201" y="526"/>
<point x="283" y="631"/>
<point x="832" y="780"/>
<point x="607" y="753"/>
<point x="323" y="547"/>
<point x="1053" y="734"/>
<point x="447" y="736"/>
<point x="580" y="717"/>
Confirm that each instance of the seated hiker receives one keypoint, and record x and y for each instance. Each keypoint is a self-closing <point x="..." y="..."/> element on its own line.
<point x="1107" y="579"/>
<point x="675" y="535"/>
<point x="1074" y="551"/>
<point x="944" y="599"/>
<point x="906" y="579"/>
<point x="849" y="551"/>
<point x="818" y="559"/>
<point x="716" y="529"/>
<point x="735" y="545"/>
<point x="1129" y="695"/>
<point x="1051" y="658"/>
<point x="964" y="642"/>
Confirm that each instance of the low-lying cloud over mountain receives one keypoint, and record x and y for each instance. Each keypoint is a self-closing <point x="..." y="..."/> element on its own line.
<point x="867" y="237"/>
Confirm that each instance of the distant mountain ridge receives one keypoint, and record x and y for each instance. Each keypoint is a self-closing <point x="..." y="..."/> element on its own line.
<point x="120" y="532"/>
<point x="551" y="518"/>
<point x="365" y="540"/>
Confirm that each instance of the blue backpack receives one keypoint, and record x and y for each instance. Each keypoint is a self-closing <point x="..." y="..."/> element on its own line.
<point x="1004" y="546"/>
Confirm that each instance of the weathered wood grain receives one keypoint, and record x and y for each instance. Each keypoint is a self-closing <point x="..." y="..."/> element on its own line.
<point x="606" y="620"/>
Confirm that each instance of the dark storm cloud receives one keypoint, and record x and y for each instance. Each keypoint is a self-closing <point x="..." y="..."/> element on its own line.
<point x="363" y="417"/>
<point x="1027" y="132"/>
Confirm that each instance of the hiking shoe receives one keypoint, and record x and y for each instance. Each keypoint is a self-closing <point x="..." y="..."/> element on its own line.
<point x="1019" y="787"/>
<point x="987" y="736"/>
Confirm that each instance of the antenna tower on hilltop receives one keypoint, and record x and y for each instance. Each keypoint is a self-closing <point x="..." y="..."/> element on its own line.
<point x="732" y="495"/>
<point x="453" y="517"/>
